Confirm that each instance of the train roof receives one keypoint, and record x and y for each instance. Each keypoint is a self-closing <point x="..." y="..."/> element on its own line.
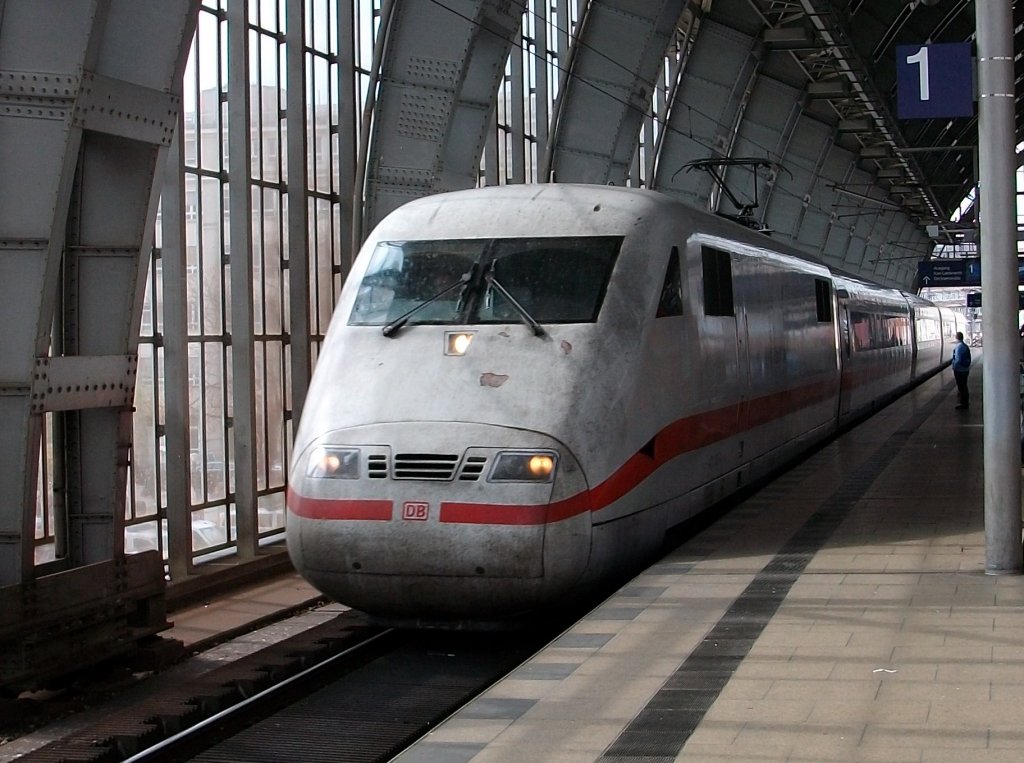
<point x="572" y="209"/>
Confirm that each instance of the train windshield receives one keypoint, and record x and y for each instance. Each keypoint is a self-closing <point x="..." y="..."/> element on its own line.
<point x="473" y="281"/>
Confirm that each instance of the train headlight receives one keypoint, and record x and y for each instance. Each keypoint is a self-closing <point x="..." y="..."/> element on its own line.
<point x="523" y="466"/>
<point x="330" y="462"/>
<point x="457" y="342"/>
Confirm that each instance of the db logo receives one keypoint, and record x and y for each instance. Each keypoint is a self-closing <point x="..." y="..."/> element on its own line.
<point x="415" y="511"/>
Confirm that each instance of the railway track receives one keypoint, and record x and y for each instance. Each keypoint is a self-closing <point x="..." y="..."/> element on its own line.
<point x="342" y="691"/>
<point x="160" y="709"/>
<point x="397" y="688"/>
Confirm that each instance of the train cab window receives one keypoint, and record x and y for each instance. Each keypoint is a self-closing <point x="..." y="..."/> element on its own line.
<point x="823" y="298"/>
<point x="556" y="280"/>
<point x="425" y="276"/>
<point x="471" y="281"/>
<point x="717" y="282"/>
<point x="671" y="302"/>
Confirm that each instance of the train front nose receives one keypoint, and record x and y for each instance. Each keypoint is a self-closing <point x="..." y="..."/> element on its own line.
<point x="435" y="522"/>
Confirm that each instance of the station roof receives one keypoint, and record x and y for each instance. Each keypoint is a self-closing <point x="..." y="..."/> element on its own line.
<point x="939" y="171"/>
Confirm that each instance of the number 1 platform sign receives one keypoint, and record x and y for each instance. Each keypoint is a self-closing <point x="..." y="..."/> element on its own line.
<point x="934" y="81"/>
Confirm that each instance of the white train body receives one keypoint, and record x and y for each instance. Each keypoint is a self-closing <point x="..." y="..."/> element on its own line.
<point x="652" y="389"/>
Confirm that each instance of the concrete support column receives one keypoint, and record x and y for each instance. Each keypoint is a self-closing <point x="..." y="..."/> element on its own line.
<point x="996" y="142"/>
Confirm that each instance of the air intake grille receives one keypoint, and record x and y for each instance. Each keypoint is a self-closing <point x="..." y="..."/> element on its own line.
<point x="472" y="468"/>
<point x="424" y="466"/>
<point x="377" y="467"/>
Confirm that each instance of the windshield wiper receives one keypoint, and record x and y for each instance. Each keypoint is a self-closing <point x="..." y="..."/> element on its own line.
<point x="401" y="320"/>
<point x="528" y="319"/>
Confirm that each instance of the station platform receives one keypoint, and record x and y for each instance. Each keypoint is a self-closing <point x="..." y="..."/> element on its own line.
<point x="841" y="613"/>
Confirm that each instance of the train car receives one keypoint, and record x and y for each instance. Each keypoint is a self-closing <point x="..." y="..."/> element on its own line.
<point x="926" y="323"/>
<point x="524" y="387"/>
<point x="876" y="345"/>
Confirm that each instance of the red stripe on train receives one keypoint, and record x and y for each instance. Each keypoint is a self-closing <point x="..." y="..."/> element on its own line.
<point x="514" y="514"/>
<point x="330" y="508"/>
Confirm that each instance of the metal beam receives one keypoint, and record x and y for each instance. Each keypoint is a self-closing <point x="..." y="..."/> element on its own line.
<point x="243" y="352"/>
<point x="298" y="255"/>
<point x="175" y="344"/>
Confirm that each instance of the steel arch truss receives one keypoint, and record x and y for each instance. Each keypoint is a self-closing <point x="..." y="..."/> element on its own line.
<point x="443" y="63"/>
<point x="611" y="80"/>
<point x="90" y="100"/>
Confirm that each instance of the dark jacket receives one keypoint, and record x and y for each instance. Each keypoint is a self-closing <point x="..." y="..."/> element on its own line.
<point x="961" y="357"/>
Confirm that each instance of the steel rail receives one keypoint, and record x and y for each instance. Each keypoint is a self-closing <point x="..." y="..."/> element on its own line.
<point x="248" y="705"/>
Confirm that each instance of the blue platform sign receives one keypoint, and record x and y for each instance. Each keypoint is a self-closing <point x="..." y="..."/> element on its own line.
<point x="963" y="272"/>
<point x="942" y="273"/>
<point x="934" y="81"/>
<point x="974" y="299"/>
<point x="972" y="271"/>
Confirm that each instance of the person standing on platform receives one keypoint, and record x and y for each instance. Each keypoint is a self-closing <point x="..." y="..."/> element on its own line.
<point x="961" y="369"/>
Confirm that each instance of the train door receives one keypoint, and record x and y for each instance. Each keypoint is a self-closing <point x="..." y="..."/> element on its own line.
<point x="845" y="358"/>
<point x="915" y="338"/>
<point x="723" y="343"/>
<point x="743" y="364"/>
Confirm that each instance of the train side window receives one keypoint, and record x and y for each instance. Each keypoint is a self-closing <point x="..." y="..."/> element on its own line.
<point x="823" y="298"/>
<point x="717" y="282"/>
<point x="671" y="302"/>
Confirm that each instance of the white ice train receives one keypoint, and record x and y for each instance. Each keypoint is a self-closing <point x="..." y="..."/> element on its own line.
<point x="523" y="387"/>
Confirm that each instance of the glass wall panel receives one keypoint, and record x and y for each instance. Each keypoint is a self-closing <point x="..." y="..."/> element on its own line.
<point x="336" y="50"/>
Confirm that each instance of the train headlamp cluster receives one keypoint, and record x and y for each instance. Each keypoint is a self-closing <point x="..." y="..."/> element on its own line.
<point x="331" y="462"/>
<point x="340" y="462"/>
<point x="523" y="466"/>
